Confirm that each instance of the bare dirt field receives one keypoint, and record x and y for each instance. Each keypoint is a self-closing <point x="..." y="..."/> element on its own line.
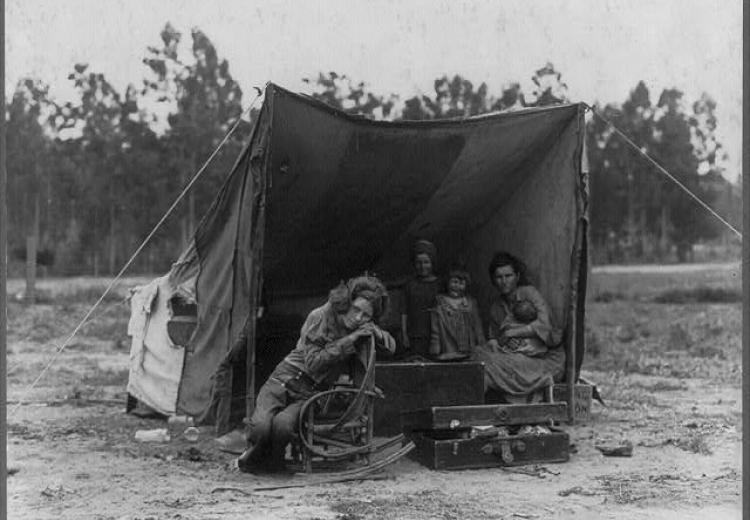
<point x="664" y="349"/>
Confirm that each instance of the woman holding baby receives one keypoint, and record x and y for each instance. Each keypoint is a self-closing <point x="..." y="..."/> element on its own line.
<point x="520" y="355"/>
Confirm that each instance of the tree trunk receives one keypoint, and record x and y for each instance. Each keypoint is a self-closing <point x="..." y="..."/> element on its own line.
<point x="191" y="216"/>
<point x="31" y="248"/>
<point x="184" y="220"/>
<point x="643" y="233"/>
<point x="664" y="234"/>
<point x="630" y="226"/>
<point x="112" y="237"/>
<point x="96" y="243"/>
<point x="191" y="199"/>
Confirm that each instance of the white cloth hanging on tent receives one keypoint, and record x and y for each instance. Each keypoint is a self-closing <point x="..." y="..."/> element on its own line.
<point x="155" y="361"/>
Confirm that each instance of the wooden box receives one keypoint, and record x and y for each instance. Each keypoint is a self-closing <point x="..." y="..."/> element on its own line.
<point x="481" y="436"/>
<point x="413" y="386"/>
<point x="582" y="394"/>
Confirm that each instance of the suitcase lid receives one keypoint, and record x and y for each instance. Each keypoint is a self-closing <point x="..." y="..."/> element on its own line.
<point x="461" y="417"/>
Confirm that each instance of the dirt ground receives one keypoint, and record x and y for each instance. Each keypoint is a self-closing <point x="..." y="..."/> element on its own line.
<point x="670" y="374"/>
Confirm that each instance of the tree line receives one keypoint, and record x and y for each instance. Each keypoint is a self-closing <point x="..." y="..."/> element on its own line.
<point x="89" y="178"/>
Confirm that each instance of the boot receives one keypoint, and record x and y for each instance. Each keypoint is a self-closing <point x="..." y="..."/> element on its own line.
<point x="251" y="461"/>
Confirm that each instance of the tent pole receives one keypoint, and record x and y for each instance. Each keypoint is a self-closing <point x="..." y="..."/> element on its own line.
<point x="250" y="372"/>
<point x="581" y="262"/>
<point x="570" y="369"/>
<point x="3" y="285"/>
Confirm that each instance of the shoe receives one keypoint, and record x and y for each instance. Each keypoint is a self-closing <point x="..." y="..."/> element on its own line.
<point x="249" y="462"/>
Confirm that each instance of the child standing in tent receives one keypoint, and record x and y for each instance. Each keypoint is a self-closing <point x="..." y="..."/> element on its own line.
<point x="456" y="326"/>
<point x="420" y="294"/>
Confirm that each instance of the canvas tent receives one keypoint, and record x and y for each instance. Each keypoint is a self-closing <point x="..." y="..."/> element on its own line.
<point x="318" y="195"/>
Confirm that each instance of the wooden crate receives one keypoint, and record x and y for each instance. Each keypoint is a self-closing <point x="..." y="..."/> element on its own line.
<point x="483" y="452"/>
<point x="413" y="386"/>
<point x="583" y="397"/>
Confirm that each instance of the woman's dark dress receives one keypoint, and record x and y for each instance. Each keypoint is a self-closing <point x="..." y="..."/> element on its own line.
<point x="525" y="370"/>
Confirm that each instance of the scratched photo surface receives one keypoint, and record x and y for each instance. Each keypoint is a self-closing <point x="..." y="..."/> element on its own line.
<point x="599" y="140"/>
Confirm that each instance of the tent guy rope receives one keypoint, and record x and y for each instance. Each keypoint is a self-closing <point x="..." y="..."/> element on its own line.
<point x="666" y="173"/>
<point x="133" y="256"/>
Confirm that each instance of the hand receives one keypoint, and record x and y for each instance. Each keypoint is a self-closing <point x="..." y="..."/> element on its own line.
<point x="513" y="331"/>
<point x="370" y="329"/>
<point x="389" y="343"/>
<point x="366" y="330"/>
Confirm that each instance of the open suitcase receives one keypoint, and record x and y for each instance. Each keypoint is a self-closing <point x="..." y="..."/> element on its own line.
<point x="481" y="436"/>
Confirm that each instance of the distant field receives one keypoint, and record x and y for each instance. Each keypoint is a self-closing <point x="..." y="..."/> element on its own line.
<point x="623" y="281"/>
<point x="644" y="282"/>
<point x="78" y="288"/>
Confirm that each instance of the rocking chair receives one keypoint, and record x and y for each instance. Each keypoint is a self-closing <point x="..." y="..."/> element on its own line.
<point x="336" y="426"/>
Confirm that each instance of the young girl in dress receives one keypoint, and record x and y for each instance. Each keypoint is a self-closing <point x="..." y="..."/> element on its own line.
<point x="456" y="326"/>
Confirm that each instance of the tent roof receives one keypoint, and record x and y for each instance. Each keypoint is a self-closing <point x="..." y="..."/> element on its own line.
<point x="349" y="194"/>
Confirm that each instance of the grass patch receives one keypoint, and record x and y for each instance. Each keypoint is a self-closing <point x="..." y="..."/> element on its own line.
<point x="609" y="296"/>
<point x="106" y="378"/>
<point x="661" y="386"/>
<point x="694" y="443"/>
<point x="669" y="340"/>
<point x="699" y="295"/>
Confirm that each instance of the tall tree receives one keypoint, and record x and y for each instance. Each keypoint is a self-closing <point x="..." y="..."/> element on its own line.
<point x="453" y="97"/>
<point x="27" y="142"/>
<point x="204" y="102"/>
<point x="674" y="150"/>
<point x="511" y="98"/>
<point x="28" y="146"/>
<point x="652" y="212"/>
<point x="340" y="91"/>
<point x="99" y="115"/>
<point x="549" y="88"/>
<point x="456" y="97"/>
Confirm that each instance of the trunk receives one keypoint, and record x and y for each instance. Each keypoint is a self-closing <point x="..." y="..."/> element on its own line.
<point x="112" y="238"/>
<point x="192" y="168"/>
<point x="664" y="233"/>
<point x="31" y="249"/>
<point x="183" y="234"/>
<point x="30" y="296"/>
<point x="683" y="251"/>
<point x="191" y="216"/>
<point x="631" y="231"/>
<point x="643" y="233"/>
<point x="408" y="387"/>
<point x="185" y="220"/>
<point x="95" y="255"/>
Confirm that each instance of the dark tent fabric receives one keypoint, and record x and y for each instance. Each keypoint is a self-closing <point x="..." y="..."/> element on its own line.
<point x="318" y="196"/>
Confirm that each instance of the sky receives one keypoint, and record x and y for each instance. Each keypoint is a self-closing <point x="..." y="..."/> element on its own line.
<point x="602" y="47"/>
